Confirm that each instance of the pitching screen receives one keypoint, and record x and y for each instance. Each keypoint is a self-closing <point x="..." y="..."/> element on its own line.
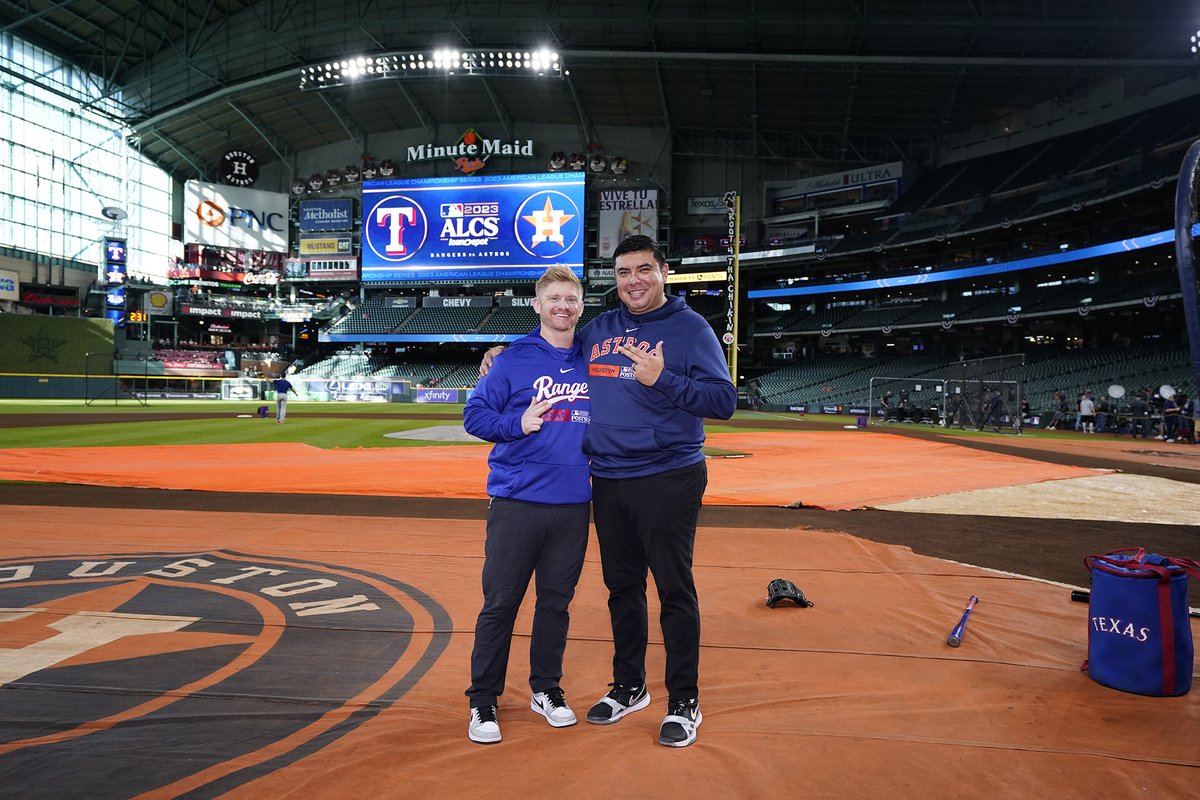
<point x="472" y="229"/>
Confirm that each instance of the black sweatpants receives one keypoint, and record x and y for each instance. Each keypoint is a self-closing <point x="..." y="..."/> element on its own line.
<point x="524" y="539"/>
<point x="650" y="523"/>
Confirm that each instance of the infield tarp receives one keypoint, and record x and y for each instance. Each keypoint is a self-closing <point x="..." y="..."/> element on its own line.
<point x="241" y="697"/>
<point x="831" y="470"/>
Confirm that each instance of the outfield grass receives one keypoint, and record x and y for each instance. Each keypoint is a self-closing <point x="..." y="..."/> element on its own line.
<point x="320" y="424"/>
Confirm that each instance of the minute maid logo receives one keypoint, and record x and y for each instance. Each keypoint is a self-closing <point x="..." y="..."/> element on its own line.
<point x="471" y="152"/>
<point x="546" y="224"/>
<point x="216" y="667"/>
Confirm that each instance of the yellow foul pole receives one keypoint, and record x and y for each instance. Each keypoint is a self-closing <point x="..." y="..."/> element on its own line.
<point x="733" y="206"/>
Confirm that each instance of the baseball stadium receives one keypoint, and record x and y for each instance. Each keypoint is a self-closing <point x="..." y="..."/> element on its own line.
<point x="264" y="266"/>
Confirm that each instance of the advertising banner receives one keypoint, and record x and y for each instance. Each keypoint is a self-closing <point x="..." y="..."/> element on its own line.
<point x="189" y="309"/>
<point x="437" y="396"/>
<point x="158" y="302"/>
<point x="237" y="219"/>
<point x="331" y="269"/>
<point x="326" y="245"/>
<point x="705" y="205"/>
<point x="326" y="215"/>
<point x="10" y="285"/>
<point x="495" y="227"/>
<point x="349" y="390"/>
<point x="625" y="212"/>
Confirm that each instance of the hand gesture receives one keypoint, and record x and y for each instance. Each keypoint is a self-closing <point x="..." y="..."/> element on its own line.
<point x="531" y="420"/>
<point x="646" y="366"/>
<point x="488" y="358"/>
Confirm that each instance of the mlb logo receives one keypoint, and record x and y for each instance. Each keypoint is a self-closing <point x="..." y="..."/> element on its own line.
<point x="452" y="210"/>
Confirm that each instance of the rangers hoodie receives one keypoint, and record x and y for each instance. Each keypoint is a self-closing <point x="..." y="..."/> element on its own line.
<point x="547" y="466"/>
<point x="641" y="430"/>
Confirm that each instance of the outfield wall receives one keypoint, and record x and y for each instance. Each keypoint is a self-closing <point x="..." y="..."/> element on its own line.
<point x="34" y="344"/>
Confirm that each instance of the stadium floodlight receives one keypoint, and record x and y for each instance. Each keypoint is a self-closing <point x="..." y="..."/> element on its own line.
<point x="439" y="62"/>
<point x="1196" y="43"/>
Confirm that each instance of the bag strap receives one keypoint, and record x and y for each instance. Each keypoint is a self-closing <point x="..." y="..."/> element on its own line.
<point x="1187" y="565"/>
<point x="1166" y="626"/>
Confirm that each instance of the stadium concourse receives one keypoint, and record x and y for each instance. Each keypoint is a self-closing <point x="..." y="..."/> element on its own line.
<point x="297" y="622"/>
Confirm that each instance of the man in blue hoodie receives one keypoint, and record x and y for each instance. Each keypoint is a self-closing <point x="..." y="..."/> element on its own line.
<point x="534" y="405"/>
<point x="656" y="371"/>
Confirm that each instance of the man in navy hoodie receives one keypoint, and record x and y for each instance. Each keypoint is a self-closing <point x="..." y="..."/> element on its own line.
<point x="534" y="405"/>
<point x="655" y="371"/>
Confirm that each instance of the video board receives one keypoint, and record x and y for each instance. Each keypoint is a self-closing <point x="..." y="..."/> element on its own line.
<point x="469" y="229"/>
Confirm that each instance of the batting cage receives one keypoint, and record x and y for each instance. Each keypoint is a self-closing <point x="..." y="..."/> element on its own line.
<point x="980" y="393"/>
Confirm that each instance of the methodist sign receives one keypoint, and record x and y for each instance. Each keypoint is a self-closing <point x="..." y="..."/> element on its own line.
<point x="233" y="218"/>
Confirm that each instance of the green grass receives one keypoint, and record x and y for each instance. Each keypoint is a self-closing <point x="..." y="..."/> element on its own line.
<point x="233" y="407"/>
<point x="324" y="425"/>
<point x="316" y="424"/>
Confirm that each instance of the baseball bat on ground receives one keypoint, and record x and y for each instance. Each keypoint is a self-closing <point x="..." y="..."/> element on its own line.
<point x="960" y="630"/>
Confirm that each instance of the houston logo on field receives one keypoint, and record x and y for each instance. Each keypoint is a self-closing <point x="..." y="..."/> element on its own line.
<point x="217" y="667"/>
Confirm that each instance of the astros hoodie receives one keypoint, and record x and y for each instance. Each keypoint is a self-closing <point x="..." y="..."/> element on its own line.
<point x="641" y="430"/>
<point x="547" y="466"/>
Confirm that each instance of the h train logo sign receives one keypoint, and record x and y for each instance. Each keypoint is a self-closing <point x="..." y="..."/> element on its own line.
<point x="217" y="667"/>
<point x="508" y="227"/>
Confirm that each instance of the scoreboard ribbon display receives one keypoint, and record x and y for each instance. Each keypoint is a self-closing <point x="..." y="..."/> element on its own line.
<point x="494" y="227"/>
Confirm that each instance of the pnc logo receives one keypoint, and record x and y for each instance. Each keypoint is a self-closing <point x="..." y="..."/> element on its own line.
<point x="213" y="215"/>
<point x="219" y="667"/>
<point x="210" y="214"/>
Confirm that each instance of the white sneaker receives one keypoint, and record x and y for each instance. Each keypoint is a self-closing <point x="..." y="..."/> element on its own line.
<point x="553" y="706"/>
<point x="484" y="727"/>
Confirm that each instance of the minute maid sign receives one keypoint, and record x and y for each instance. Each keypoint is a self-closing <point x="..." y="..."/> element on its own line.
<point x="471" y="151"/>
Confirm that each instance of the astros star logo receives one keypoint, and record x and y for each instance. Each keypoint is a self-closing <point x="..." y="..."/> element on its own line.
<point x="547" y="224"/>
<point x="636" y="223"/>
<point x="42" y="346"/>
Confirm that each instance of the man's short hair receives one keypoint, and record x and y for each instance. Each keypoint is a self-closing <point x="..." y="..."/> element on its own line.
<point x="640" y="243"/>
<point x="557" y="273"/>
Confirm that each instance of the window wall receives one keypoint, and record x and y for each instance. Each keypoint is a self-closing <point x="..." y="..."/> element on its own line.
<point x="64" y="157"/>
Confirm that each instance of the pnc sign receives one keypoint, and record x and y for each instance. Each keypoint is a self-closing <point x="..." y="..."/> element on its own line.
<point x="234" y="218"/>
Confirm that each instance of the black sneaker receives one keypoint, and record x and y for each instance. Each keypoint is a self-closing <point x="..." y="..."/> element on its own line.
<point x="617" y="703"/>
<point x="484" y="727"/>
<point x="679" y="726"/>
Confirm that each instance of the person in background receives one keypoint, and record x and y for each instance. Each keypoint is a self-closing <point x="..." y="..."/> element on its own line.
<point x="1102" y="410"/>
<point x="282" y="387"/>
<point x="1139" y="412"/>
<point x="1170" y="412"/>
<point x="534" y="406"/>
<point x="1087" y="413"/>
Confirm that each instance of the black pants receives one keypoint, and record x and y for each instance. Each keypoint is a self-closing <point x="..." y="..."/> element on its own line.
<point x="650" y="523"/>
<point x="524" y="539"/>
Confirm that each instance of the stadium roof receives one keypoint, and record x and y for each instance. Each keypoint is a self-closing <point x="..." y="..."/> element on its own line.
<point x="831" y="83"/>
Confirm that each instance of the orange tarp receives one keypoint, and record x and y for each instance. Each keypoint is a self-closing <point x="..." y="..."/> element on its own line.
<point x="857" y="697"/>
<point x="832" y="470"/>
